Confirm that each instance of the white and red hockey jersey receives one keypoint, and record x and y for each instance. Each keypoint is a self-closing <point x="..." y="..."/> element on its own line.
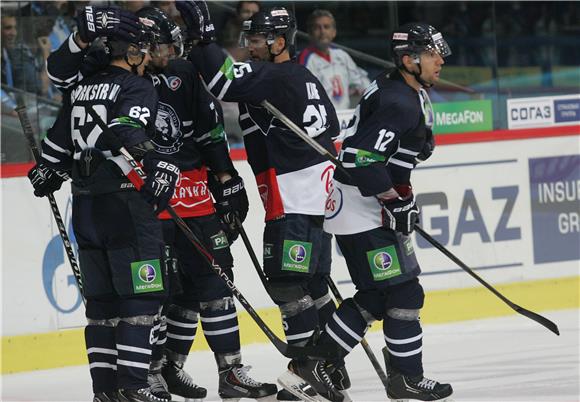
<point x="337" y="73"/>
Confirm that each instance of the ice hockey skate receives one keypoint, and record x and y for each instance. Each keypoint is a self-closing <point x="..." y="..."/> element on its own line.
<point x="235" y="383"/>
<point x="402" y="388"/>
<point x="106" y="397"/>
<point x="139" y="395"/>
<point x="308" y="380"/>
<point x="158" y="385"/>
<point x="180" y="383"/>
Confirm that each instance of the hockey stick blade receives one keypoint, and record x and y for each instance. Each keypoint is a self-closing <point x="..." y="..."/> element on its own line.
<point x="299" y="132"/>
<point x="29" y="135"/>
<point x="289" y="351"/>
<point x="527" y="313"/>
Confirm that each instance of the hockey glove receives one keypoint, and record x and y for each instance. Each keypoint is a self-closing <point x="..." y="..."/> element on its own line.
<point x="160" y="183"/>
<point x="46" y="180"/>
<point x="401" y="214"/>
<point x="231" y="199"/>
<point x="196" y="16"/>
<point x="428" y="147"/>
<point x="95" y="21"/>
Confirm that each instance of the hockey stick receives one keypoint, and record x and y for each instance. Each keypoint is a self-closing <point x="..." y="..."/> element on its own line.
<point x="285" y="349"/>
<point x="29" y="134"/>
<point x="367" y="348"/>
<point x="321" y="150"/>
<point x="252" y="253"/>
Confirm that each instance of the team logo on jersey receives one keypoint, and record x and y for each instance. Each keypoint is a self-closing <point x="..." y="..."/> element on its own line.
<point x="146" y="276"/>
<point x="334" y="203"/>
<point x="384" y="263"/>
<point x="173" y="83"/>
<point x="147" y="273"/>
<point x="297" y="253"/>
<point x="168" y="136"/>
<point x="296" y="256"/>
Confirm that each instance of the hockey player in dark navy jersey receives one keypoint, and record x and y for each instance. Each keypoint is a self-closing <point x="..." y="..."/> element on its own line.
<point x="189" y="128"/>
<point x="292" y="178"/>
<point x="119" y="236"/>
<point x="373" y="212"/>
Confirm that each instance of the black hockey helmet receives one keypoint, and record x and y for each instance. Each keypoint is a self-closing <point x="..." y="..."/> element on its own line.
<point x="139" y="45"/>
<point x="272" y="24"/>
<point x="147" y="35"/>
<point x="414" y="38"/>
<point x="169" y="31"/>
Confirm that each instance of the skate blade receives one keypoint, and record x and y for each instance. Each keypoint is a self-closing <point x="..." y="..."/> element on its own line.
<point x="347" y="397"/>
<point x="192" y="400"/>
<point x="413" y="400"/>
<point x="269" y="398"/>
<point x="289" y="381"/>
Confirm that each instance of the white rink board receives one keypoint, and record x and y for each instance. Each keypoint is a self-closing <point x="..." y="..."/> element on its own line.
<point x="38" y="292"/>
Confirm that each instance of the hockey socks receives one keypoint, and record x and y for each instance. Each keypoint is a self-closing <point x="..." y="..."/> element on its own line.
<point x="134" y="338"/>
<point x="181" y="329"/>
<point x="346" y="327"/>
<point x="102" y="354"/>
<point x="220" y="325"/>
<point x="300" y="318"/>
<point x="405" y="344"/>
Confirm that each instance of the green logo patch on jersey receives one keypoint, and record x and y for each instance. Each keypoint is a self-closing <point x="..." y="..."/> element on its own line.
<point x="219" y="241"/>
<point x="384" y="263"/>
<point x="146" y="276"/>
<point x="365" y="158"/>
<point x="296" y="256"/>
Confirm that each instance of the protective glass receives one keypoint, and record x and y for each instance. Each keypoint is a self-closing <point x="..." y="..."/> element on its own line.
<point x="439" y="45"/>
<point x="252" y="39"/>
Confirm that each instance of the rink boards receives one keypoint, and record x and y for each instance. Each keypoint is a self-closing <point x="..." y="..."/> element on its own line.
<point x="509" y="209"/>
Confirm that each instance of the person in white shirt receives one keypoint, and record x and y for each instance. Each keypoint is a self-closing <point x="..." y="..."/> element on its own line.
<point x="338" y="73"/>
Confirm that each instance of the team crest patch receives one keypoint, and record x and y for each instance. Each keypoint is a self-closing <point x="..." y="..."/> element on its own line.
<point x="219" y="241"/>
<point x="173" y="83"/>
<point x="146" y="276"/>
<point x="296" y="256"/>
<point x="384" y="263"/>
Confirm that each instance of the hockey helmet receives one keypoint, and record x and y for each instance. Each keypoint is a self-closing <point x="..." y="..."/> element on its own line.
<point x="414" y="38"/>
<point x="169" y="32"/>
<point x="272" y="24"/>
<point x="147" y="35"/>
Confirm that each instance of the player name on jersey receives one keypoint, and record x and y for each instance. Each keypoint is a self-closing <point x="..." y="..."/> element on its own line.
<point x="95" y="92"/>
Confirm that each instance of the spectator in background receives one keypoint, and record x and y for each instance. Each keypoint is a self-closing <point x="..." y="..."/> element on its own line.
<point x="8" y="40"/>
<point x="21" y="68"/>
<point x="230" y="34"/>
<point x="335" y="69"/>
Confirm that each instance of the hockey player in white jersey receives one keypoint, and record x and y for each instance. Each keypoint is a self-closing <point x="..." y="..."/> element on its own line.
<point x="336" y="70"/>
<point x="372" y="211"/>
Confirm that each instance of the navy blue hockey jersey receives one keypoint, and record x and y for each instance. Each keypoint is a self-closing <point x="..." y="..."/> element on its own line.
<point x="291" y="176"/>
<point x="387" y="132"/>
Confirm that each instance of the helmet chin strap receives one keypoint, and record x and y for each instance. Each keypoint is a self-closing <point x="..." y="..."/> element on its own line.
<point x="417" y="75"/>
<point x="134" y="67"/>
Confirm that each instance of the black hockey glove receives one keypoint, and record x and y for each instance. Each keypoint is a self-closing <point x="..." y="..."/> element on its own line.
<point x="95" y="21"/>
<point x="428" y="147"/>
<point x="231" y="199"/>
<point x="196" y="16"/>
<point x="46" y="180"/>
<point x="160" y="183"/>
<point x="401" y="214"/>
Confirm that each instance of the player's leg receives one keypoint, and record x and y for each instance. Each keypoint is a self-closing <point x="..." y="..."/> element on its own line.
<point x="182" y="317"/>
<point x="404" y="339"/>
<point x="292" y="249"/>
<point x="133" y="238"/>
<point x="218" y="313"/>
<point x="102" y="304"/>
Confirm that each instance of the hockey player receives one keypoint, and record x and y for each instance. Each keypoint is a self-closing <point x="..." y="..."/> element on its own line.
<point x="189" y="127"/>
<point x="292" y="178"/>
<point x="373" y="212"/>
<point x="119" y="237"/>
